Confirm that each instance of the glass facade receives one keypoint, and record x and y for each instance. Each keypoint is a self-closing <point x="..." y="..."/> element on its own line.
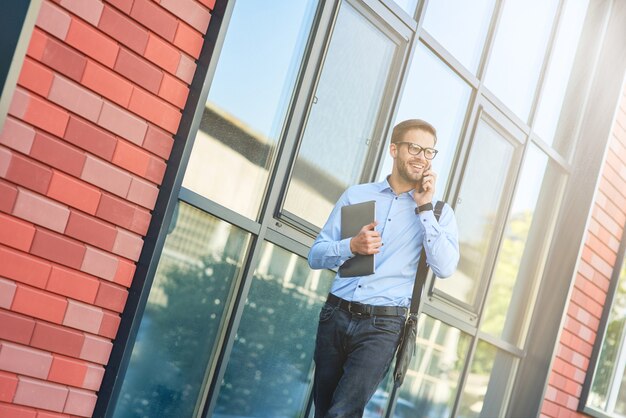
<point x="235" y="146"/>
<point x="342" y="119"/>
<point x="436" y="370"/>
<point x="298" y="110"/>
<point x="523" y="239"/>
<point x="440" y="96"/>
<point x="461" y="28"/>
<point x="269" y="372"/>
<point x="201" y="260"/>
<point x="559" y="71"/>
<point x="487" y="170"/>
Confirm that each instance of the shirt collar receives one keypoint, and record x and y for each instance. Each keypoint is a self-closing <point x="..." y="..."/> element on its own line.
<point x="385" y="186"/>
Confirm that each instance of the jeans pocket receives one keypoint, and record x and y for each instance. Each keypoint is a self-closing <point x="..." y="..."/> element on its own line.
<point x="391" y="324"/>
<point x="327" y="312"/>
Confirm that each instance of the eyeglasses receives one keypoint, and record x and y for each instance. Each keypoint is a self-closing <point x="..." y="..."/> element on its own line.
<point x="414" y="149"/>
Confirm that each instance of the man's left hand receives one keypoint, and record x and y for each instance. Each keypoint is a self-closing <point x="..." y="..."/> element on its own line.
<point x="429" y="179"/>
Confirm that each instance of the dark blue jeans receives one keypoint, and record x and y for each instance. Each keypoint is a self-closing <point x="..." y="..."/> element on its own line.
<point x="352" y="356"/>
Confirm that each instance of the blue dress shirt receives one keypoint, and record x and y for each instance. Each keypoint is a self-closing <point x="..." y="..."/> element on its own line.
<point x="403" y="235"/>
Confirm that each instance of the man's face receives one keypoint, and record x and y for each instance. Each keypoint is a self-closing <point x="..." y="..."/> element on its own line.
<point x="411" y="167"/>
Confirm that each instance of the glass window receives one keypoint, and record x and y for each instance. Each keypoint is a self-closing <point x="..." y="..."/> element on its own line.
<point x="461" y="27"/>
<point x="341" y="122"/>
<point x="484" y="394"/>
<point x="178" y="332"/>
<point x="481" y="193"/>
<point x="522" y="249"/>
<point x="248" y="102"/>
<point x="433" y="92"/>
<point x="518" y="52"/>
<point x="269" y="371"/>
<point x="608" y="389"/>
<point x="560" y="69"/>
<point x="433" y="377"/>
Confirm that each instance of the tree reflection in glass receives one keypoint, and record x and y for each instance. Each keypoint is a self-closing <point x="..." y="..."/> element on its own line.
<point x="523" y="249"/>
<point x="433" y="377"/>
<point x="269" y="370"/>
<point x="484" y="395"/>
<point x="177" y="334"/>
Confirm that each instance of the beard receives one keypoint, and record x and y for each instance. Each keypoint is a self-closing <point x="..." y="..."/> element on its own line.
<point x="408" y="175"/>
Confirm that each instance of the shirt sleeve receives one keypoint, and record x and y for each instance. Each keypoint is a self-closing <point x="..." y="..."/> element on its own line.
<point x="441" y="241"/>
<point x="329" y="250"/>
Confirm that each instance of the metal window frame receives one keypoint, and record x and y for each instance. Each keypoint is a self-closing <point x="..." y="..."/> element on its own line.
<point x="380" y="17"/>
<point x="492" y="116"/>
<point x="582" y="77"/>
<point x="402" y="77"/>
<point x="524" y="124"/>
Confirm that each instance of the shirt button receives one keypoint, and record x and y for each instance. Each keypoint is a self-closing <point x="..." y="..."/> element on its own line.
<point x="360" y="286"/>
<point x="396" y="197"/>
<point x="389" y="219"/>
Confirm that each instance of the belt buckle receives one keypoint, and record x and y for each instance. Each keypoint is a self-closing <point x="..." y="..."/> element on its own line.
<point x="355" y="304"/>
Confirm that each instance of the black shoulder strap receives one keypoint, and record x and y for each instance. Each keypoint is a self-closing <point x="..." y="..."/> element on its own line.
<point x="422" y="269"/>
<point x="438" y="208"/>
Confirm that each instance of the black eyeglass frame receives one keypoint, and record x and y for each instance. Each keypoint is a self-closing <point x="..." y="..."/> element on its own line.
<point x="412" y="146"/>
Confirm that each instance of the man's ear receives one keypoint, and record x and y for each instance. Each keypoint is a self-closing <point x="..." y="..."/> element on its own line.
<point x="393" y="150"/>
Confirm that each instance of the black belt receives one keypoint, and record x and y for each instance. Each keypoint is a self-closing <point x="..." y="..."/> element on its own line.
<point x="363" y="309"/>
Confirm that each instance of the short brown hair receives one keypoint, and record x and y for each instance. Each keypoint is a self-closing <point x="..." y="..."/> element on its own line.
<point x="400" y="129"/>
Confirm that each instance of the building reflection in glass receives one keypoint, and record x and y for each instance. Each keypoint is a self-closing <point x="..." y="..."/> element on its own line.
<point x="248" y="102"/>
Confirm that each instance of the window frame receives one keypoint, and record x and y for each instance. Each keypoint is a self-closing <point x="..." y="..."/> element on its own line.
<point x="400" y="34"/>
<point x="509" y="132"/>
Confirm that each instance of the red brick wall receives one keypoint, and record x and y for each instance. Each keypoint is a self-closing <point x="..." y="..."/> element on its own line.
<point x="599" y="256"/>
<point x="82" y="154"/>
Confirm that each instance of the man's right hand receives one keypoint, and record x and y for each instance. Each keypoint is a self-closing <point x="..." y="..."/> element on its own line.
<point x="367" y="241"/>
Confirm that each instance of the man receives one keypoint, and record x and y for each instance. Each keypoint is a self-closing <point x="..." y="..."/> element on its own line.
<point x="360" y="323"/>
